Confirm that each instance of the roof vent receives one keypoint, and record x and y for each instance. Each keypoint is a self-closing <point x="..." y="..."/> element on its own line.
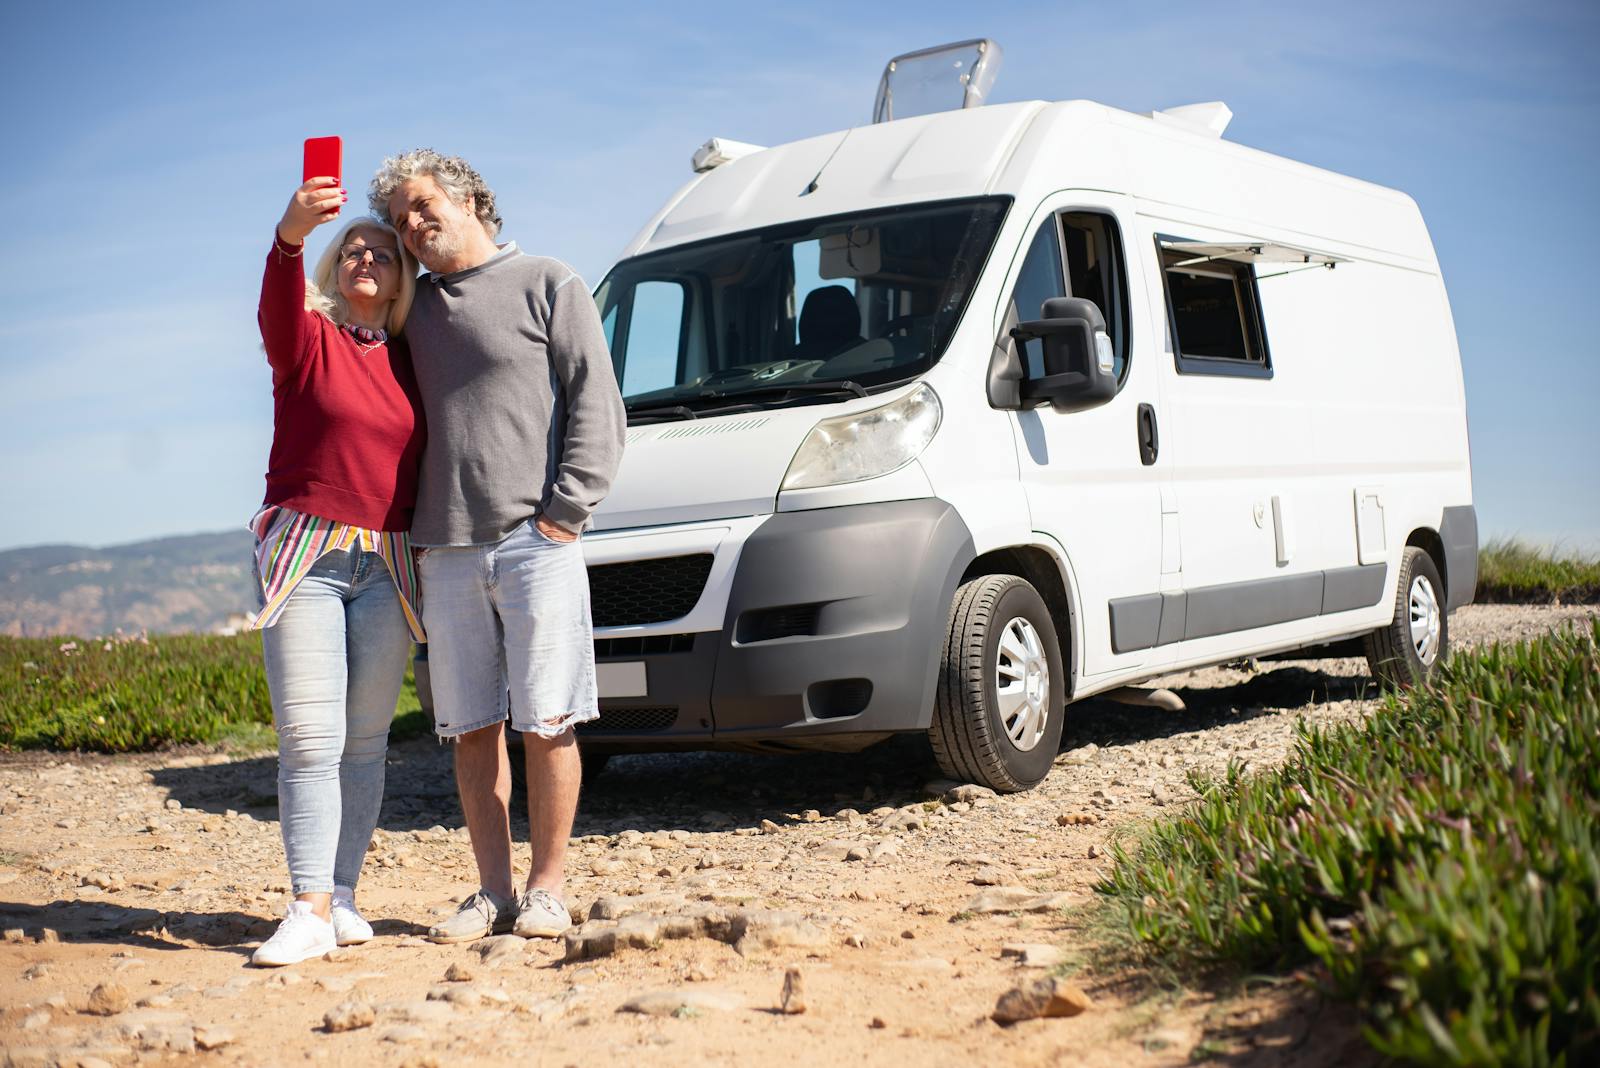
<point x="719" y="150"/>
<point x="1211" y="117"/>
<point x="941" y="78"/>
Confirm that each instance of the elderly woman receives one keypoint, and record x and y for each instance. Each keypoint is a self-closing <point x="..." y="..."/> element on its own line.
<point x="333" y="557"/>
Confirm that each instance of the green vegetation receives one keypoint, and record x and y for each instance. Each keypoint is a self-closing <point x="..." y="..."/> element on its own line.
<point x="119" y="695"/>
<point x="1512" y="571"/>
<point x="1440" y="861"/>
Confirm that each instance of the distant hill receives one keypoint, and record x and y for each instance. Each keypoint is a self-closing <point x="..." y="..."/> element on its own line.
<point x="192" y="583"/>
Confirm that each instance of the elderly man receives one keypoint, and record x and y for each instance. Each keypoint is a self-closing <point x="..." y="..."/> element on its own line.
<point x="525" y="431"/>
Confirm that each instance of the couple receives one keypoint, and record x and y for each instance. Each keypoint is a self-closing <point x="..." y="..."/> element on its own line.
<point x="460" y="461"/>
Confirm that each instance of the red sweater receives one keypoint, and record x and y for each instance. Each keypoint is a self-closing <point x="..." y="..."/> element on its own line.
<point x="347" y="426"/>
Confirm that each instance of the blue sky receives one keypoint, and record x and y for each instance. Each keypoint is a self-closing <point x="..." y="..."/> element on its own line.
<point x="154" y="146"/>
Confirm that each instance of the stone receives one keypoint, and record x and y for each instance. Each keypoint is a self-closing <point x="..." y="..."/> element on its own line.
<point x="333" y="984"/>
<point x="878" y="1023"/>
<point x="679" y="1003"/>
<point x="969" y="792"/>
<point x="991" y="876"/>
<point x="208" y="1036"/>
<point x="910" y="818"/>
<point x="1050" y="997"/>
<point x="49" y="936"/>
<point x="768" y="827"/>
<point x="1017" y="899"/>
<point x="108" y="999"/>
<point x="755" y="929"/>
<point x="834" y="850"/>
<point x="709" y="860"/>
<point x="349" y="1016"/>
<point x="36" y="971"/>
<point x="458" y="973"/>
<point x="464" y="996"/>
<point x="1076" y="819"/>
<point x="16" y="934"/>
<point x="857" y="852"/>
<point x="36" y="1021"/>
<point x="793" y="1000"/>
<point x="1032" y="955"/>
<point x="884" y="850"/>
<point x="606" y="866"/>
<point x="500" y="949"/>
<point x="1094" y="852"/>
<point x="400" y="1034"/>
<point x="418" y="1012"/>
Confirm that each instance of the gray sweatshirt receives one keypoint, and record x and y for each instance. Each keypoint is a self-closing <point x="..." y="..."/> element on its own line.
<point x="524" y="415"/>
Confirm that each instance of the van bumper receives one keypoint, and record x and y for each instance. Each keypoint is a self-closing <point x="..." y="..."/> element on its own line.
<point x="832" y="636"/>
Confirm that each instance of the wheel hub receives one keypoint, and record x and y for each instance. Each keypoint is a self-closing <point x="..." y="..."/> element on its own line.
<point x="1426" y="620"/>
<point x="1022" y="683"/>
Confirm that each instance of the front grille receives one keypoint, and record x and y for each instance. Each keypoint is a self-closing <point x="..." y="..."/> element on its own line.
<point x="631" y="720"/>
<point x="647" y="591"/>
<point x="643" y="645"/>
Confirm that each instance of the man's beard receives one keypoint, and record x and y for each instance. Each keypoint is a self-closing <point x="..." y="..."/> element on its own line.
<point x="437" y="247"/>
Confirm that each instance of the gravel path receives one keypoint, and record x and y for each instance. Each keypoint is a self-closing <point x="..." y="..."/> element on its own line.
<point x="148" y="878"/>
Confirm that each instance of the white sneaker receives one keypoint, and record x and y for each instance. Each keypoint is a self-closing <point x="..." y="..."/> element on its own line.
<point x="302" y="935"/>
<point x="349" y="928"/>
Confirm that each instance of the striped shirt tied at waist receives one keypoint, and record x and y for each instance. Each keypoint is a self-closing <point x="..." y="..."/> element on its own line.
<point x="288" y="543"/>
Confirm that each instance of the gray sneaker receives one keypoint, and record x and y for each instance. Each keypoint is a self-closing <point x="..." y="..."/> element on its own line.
<point x="540" y="915"/>
<point x="484" y="913"/>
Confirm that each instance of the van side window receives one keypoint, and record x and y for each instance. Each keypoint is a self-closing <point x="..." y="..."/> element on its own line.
<point x="1095" y="271"/>
<point x="652" y="341"/>
<point x="1041" y="279"/>
<point x="1214" y="313"/>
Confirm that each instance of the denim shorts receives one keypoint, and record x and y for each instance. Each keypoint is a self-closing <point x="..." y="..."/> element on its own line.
<point x="509" y="635"/>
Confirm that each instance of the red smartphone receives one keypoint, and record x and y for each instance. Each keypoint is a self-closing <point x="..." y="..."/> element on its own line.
<point x="324" y="159"/>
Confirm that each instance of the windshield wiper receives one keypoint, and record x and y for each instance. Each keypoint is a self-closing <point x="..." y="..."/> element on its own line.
<point x="843" y="385"/>
<point x="658" y="413"/>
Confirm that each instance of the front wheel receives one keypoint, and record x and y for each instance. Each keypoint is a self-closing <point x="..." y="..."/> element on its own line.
<point x="1002" y="687"/>
<point x="1407" y="651"/>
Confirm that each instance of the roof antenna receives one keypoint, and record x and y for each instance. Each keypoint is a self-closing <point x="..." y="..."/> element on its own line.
<point x="811" y="186"/>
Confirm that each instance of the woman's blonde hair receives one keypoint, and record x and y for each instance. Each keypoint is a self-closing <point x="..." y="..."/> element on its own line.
<point x="322" y="288"/>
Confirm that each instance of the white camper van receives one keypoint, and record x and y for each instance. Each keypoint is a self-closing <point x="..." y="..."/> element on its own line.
<point x="943" y="423"/>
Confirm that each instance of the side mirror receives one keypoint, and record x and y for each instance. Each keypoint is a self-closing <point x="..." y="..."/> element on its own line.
<point x="1079" y="364"/>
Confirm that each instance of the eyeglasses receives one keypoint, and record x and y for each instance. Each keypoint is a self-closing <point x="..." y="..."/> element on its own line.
<point x="383" y="257"/>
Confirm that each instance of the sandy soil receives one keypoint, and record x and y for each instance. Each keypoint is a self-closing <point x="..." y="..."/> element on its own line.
<point x="153" y="876"/>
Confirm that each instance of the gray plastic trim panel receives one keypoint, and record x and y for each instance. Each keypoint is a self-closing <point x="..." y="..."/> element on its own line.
<point x="1135" y="622"/>
<point x="1459" y="532"/>
<point x="1345" y="588"/>
<point x="1152" y="619"/>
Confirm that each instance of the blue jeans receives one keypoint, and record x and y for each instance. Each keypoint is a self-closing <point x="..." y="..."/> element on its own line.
<point x="335" y="660"/>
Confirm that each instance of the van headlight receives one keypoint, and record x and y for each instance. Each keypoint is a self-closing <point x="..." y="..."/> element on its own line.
<point x="850" y="448"/>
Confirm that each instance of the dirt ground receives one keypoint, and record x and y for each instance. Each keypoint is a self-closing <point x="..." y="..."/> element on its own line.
<point x="152" y="877"/>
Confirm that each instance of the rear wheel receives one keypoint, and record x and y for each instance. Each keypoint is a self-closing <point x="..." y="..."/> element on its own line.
<point x="1002" y="687"/>
<point x="1408" y="650"/>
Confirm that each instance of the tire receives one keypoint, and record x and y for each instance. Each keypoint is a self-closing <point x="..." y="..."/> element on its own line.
<point x="1408" y="650"/>
<point x="971" y="736"/>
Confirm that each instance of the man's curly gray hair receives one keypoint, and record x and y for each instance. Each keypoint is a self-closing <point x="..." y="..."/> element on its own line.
<point x="453" y="174"/>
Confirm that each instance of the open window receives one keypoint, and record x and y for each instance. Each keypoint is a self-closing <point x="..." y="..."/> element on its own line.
<point x="1214" y="304"/>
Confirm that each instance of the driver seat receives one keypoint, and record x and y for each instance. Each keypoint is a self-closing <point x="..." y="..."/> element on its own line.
<point x="830" y="321"/>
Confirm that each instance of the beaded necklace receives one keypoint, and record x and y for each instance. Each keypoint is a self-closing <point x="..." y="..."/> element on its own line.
<point x="366" y="338"/>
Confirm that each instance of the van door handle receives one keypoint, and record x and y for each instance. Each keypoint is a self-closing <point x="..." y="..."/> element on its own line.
<point x="1149" y="441"/>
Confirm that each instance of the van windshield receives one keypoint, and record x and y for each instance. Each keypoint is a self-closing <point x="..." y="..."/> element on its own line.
<point x="794" y="313"/>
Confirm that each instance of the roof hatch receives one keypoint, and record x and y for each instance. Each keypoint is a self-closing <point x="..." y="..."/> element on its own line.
<point x="942" y="78"/>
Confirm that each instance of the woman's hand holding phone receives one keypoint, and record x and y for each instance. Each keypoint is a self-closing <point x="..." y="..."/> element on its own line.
<point x="314" y="203"/>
